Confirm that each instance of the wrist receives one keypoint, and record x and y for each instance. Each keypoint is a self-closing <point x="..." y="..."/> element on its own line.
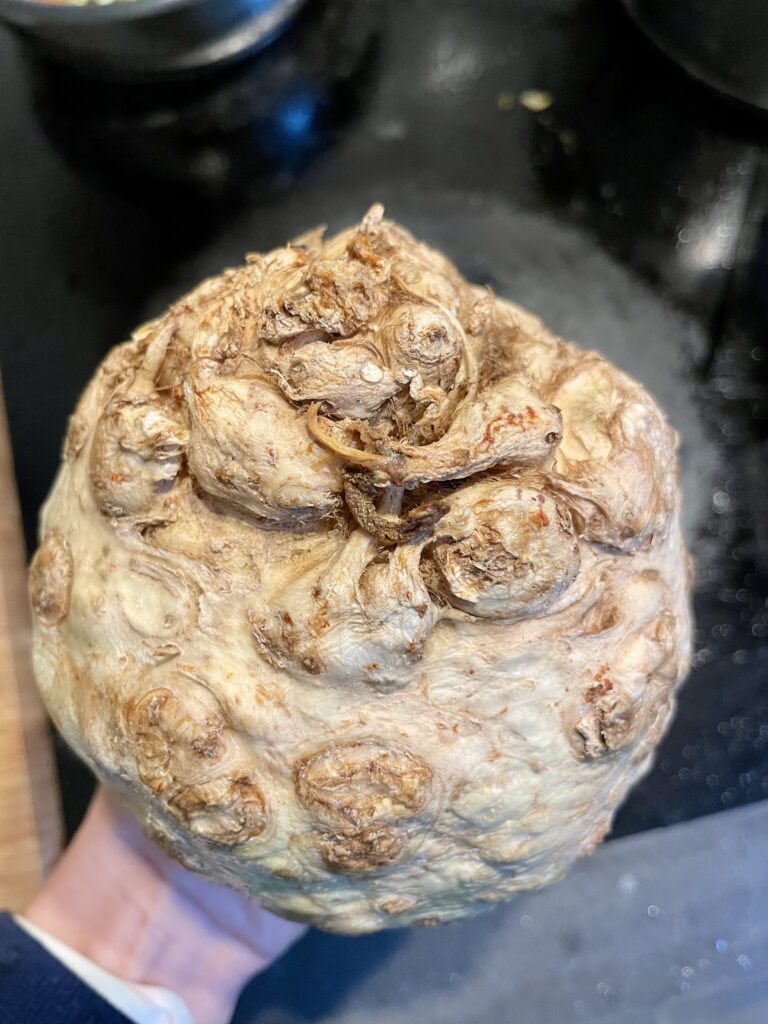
<point x="114" y="899"/>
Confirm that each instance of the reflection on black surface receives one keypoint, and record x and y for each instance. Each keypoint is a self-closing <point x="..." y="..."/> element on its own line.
<point x="225" y="134"/>
<point x="658" y="166"/>
<point x="673" y="180"/>
<point x="723" y="44"/>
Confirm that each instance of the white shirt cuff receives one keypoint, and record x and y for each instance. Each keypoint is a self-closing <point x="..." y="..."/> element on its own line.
<point x="143" y="1004"/>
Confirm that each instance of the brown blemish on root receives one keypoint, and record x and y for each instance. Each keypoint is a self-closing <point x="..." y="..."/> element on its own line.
<point x="50" y="580"/>
<point x="603" y="685"/>
<point x="179" y="758"/>
<point x="365" y="791"/>
<point x="78" y="430"/>
<point x="396" y="905"/>
<point x="352" y="785"/>
<point x="226" y="810"/>
<point x="168" y="741"/>
<point x="369" y="850"/>
<point x="610" y="725"/>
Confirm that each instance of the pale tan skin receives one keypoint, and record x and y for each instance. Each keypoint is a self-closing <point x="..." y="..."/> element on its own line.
<point x="365" y="592"/>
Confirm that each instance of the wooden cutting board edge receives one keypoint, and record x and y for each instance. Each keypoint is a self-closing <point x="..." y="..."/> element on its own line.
<point x="30" y="805"/>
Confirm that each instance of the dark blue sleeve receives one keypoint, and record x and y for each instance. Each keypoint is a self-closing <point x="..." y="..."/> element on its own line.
<point x="35" y="988"/>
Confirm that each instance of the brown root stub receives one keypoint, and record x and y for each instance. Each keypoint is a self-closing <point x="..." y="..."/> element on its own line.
<point x="419" y="522"/>
<point x="367" y="592"/>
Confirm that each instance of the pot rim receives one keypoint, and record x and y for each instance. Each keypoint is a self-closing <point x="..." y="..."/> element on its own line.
<point x="23" y="11"/>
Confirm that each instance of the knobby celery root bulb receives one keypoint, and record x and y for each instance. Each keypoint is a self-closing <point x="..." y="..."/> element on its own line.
<point x="366" y="592"/>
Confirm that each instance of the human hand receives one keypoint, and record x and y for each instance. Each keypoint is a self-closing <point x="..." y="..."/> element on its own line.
<point x="119" y="900"/>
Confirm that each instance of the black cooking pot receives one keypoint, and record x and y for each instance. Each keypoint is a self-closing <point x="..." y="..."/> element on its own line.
<point x="722" y="42"/>
<point x="144" y="39"/>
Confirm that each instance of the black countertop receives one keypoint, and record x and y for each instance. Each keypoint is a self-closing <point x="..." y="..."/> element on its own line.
<point x="630" y="214"/>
